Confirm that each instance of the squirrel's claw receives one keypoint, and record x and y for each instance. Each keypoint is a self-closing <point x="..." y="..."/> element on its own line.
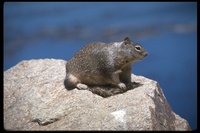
<point x="122" y="86"/>
<point x="81" y="86"/>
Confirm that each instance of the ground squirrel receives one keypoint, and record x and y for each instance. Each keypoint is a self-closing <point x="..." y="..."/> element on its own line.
<point x="99" y="64"/>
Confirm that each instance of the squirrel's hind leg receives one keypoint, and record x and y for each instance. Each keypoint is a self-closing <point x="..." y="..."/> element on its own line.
<point x="72" y="82"/>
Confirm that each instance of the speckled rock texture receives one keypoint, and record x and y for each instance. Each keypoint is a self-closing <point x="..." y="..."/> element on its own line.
<point x="35" y="98"/>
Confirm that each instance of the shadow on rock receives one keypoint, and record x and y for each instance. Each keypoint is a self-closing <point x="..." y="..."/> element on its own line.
<point x="108" y="90"/>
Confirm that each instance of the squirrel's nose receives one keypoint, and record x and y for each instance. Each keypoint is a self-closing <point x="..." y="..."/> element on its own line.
<point x="145" y="54"/>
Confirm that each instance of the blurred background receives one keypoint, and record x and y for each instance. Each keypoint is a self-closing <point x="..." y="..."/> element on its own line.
<point x="167" y="30"/>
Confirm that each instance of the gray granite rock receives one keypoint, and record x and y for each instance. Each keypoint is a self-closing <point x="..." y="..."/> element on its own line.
<point x="35" y="98"/>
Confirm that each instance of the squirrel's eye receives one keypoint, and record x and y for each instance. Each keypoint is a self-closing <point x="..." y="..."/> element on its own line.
<point x="138" y="48"/>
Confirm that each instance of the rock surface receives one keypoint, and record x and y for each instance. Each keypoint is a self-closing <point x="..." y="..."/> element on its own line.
<point x="35" y="99"/>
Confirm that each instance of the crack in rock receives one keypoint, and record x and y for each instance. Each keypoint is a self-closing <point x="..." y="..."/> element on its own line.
<point x="45" y="122"/>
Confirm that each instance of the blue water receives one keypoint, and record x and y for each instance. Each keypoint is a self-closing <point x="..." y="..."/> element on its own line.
<point x="167" y="30"/>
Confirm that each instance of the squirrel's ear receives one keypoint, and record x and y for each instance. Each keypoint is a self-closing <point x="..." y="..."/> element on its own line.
<point x="127" y="40"/>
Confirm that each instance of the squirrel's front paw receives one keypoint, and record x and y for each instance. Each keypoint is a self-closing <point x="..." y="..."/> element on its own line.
<point x="122" y="86"/>
<point x="81" y="86"/>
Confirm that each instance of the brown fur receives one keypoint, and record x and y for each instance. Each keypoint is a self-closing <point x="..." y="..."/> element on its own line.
<point x="100" y="64"/>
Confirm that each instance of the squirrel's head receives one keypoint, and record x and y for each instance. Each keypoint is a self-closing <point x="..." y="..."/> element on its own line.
<point x="136" y="50"/>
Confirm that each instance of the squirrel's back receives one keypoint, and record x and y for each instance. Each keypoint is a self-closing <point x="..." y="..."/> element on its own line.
<point x="88" y="59"/>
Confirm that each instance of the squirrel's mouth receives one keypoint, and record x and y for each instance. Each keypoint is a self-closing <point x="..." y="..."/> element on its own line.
<point x="144" y="55"/>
